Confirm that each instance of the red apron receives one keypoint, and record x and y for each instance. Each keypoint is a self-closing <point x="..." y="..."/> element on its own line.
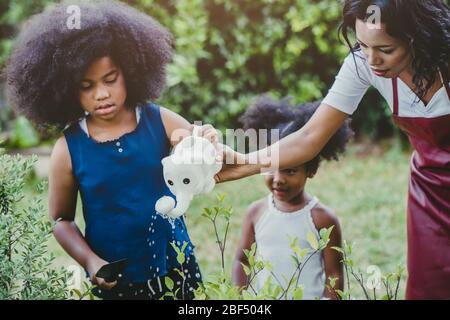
<point x="428" y="219"/>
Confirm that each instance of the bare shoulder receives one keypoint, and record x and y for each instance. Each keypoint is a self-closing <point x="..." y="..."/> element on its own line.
<point x="324" y="217"/>
<point x="255" y="210"/>
<point x="176" y="126"/>
<point x="60" y="157"/>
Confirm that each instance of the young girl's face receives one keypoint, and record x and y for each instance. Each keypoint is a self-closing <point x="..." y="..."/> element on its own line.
<point x="287" y="184"/>
<point x="387" y="56"/>
<point x="102" y="90"/>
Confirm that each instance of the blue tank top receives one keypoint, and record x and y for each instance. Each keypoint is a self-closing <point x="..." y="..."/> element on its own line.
<point x="119" y="183"/>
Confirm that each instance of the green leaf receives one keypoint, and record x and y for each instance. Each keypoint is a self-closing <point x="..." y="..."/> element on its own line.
<point x="298" y="293"/>
<point x="312" y="240"/>
<point x="181" y="258"/>
<point x="325" y="233"/>
<point x="338" y="249"/>
<point x="332" y="281"/>
<point x="301" y="253"/>
<point x="251" y="260"/>
<point x="221" y="197"/>
<point x="343" y="295"/>
<point x="77" y="292"/>
<point x="247" y="270"/>
<point x="169" y="283"/>
<point x="180" y="273"/>
<point x="349" y="262"/>
<point x="175" y="247"/>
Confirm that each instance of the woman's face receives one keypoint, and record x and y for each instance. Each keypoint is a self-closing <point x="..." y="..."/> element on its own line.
<point x="287" y="184"/>
<point x="102" y="90"/>
<point x="388" y="57"/>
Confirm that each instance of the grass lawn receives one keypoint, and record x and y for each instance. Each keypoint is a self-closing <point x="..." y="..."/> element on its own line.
<point x="368" y="192"/>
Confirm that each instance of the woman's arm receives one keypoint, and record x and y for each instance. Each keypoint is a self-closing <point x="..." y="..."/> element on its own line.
<point x="293" y="150"/>
<point x="324" y="218"/>
<point x="63" y="191"/>
<point x="239" y="277"/>
<point x="343" y="98"/>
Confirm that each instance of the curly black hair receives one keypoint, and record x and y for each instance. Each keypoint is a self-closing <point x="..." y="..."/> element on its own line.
<point x="267" y="113"/>
<point x="425" y="24"/>
<point x="50" y="59"/>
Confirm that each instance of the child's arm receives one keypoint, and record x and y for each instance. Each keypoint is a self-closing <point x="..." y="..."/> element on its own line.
<point x="63" y="192"/>
<point x="178" y="128"/>
<point x="247" y="239"/>
<point x="325" y="218"/>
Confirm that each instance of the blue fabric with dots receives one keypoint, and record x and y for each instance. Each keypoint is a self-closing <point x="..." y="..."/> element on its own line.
<point x="119" y="183"/>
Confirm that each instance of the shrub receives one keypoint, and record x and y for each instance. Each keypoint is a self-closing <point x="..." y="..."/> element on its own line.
<point x="229" y="51"/>
<point x="26" y="270"/>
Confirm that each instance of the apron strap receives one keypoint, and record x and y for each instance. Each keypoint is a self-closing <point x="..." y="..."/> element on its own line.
<point x="395" y="90"/>
<point x="448" y="89"/>
<point x="445" y="82"/>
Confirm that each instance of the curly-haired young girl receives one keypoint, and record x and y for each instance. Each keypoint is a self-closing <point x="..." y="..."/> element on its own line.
<point x="289" y="212"/>
<point x="95" y="82"/>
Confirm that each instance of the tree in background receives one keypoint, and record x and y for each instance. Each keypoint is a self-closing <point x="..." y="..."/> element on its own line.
<point x="229" y="51"/>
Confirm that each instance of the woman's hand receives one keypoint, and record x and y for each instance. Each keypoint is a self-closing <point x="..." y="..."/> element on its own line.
<point x="234" y="165"/>
<point x="94" y="264"/>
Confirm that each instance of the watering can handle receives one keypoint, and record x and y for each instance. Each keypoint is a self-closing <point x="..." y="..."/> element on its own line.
<point x="196" y="131"/>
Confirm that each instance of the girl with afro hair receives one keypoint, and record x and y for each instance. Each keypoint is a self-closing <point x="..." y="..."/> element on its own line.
<point x="94" y="81"/>
<point x="289" y="211"/>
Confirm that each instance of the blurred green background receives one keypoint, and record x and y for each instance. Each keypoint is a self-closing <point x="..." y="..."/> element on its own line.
<point x="226" y="53"/>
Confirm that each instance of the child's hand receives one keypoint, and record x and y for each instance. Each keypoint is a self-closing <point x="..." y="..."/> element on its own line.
<point x="206" y="131"/>
<point x="94" y="264"/>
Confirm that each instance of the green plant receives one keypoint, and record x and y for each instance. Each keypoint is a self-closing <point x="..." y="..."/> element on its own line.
<point x="229" y="51"/>
<point x="390" y="281"/>
<point x="83" y="293"/>
<point x="219" y="211"/>
<point x="181" y="258"/>
<point x="220" y="287"/>
<point x="23" y="134"/>
<point x="26" y="270"/>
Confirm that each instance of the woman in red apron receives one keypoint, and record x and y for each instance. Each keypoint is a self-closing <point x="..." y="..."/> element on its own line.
<point x="428" y="202"/>
<point x="403" y="50"/>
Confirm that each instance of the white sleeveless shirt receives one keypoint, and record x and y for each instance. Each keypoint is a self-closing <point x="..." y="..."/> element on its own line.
<point x="272" y="234"/>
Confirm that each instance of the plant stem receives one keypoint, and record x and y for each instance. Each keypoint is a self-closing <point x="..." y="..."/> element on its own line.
<point x="396" y="288"/>
<point x="347" y="274"/>
<point x="299" y="268"/>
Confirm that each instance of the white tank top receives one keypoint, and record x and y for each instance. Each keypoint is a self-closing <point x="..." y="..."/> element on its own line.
<point x="272" y="234"/>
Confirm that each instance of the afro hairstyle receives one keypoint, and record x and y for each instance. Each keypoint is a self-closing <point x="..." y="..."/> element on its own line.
<point x="267" y="113"/>
<point x="50" y="59"/>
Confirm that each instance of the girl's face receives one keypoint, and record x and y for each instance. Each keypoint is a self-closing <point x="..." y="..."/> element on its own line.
<point x="103" y="91"/>
<point x="287" y="184"/>
<point x="388" y="57"/>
